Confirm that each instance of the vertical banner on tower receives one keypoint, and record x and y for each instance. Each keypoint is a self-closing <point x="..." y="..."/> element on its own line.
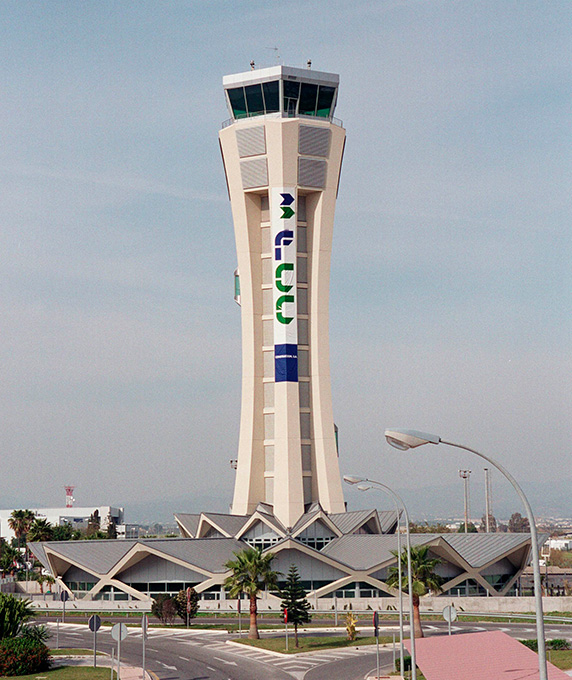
<point x="283" y="215"/>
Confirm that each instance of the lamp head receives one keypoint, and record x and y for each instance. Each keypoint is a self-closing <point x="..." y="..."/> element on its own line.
<point x="350" y="479"/>
<point x="409" y="439"/>
<point x="364" y="487"/>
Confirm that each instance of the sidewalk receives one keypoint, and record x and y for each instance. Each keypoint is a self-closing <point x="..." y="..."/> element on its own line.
<point x="127" y="672"/>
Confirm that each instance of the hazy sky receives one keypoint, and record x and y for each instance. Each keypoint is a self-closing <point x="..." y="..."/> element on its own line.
<point x="451" y="270"/>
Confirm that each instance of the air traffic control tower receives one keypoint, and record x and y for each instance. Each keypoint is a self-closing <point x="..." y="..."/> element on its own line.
<point x="282" y="151"/>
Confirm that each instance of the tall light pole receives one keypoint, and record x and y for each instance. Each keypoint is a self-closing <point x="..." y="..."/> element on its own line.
<point x="464" y="475"/>
<point x="366" y="484"/>
<point x="410" y="439"/>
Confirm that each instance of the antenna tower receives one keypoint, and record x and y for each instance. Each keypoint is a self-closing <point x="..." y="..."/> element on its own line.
<point x="69" y="496"/>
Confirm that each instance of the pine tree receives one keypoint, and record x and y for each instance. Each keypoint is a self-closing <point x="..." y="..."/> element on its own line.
<point x="294" y="601"/>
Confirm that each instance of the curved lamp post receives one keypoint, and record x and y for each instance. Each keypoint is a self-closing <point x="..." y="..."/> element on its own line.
<point x="364" y="485"/>
<point x="410" y="439"/>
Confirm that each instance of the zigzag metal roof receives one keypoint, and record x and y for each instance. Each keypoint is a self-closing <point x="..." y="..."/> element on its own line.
<point x="97" y="556"/>
<point x="189" y="522"/>
<point x="479" y="549"/>
<point x="364" y="551"/>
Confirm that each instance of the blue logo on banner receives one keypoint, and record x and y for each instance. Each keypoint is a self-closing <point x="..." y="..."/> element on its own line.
<point x="286" y="363"/>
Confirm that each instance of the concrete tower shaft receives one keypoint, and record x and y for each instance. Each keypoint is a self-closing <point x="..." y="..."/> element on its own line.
<point x="282" y="153"/>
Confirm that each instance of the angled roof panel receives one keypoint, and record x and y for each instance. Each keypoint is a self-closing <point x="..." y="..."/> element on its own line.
<point x="349" y="521"/>
<point x="40" y="553"/>
<point x="232" y="524"/>
<point x="190" y="523"/>
<point x="479" y="549"/>
<point x="97" y="556"/>
<point x="209" y="554"/>
<point x="387" y="520"/>
<point x="364" y="551"/>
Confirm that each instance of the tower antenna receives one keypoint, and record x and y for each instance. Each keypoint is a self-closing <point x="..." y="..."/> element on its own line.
<point x="69" y="496"/>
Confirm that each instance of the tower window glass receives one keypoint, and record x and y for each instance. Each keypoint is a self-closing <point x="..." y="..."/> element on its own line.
<point x="254" y="100"/>
<point x="271" y="96"/>
<point x="308" y="96"/>
<point x="325" y="101"/>
<point x="237" y="102"/>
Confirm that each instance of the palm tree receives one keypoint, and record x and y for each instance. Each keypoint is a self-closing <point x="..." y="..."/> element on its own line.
<point x="251" y="573"/>
<point x="423" y="577"/>
<point x="19" y="521"/>
<point x="40" y="530"/>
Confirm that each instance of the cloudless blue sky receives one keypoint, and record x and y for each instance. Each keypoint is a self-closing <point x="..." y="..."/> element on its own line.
<point x="451" y="285"/>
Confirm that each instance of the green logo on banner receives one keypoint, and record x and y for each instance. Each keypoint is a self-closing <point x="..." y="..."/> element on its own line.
<point x="287" y="212"/>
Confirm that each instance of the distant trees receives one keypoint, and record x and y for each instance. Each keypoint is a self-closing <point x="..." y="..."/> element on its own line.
<point x="492" y="524"/>
<point x="518" y="524"/>
<point x="40" y="530"/>
<point x="471" y="528"/>
<point x="164" y="608"/>
<point x="20" y="521"/>
<point x="429" y="528"/>
<point x="181" y="604"/>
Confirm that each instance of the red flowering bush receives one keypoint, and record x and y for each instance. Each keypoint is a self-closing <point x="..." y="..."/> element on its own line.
<point x="22" y="656"/>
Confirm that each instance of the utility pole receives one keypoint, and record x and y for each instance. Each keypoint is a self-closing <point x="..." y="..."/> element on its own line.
<point x="464" y="475"/>
<point x="488" y="508"/>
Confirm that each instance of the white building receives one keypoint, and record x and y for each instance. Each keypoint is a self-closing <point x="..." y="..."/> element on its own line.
<point x="76" y="517"/>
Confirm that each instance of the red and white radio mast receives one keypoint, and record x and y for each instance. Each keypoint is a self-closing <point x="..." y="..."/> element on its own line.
<point x="69" y="496"/>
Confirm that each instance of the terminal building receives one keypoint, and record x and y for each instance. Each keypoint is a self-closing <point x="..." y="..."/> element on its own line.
<point x="282" y="151"/>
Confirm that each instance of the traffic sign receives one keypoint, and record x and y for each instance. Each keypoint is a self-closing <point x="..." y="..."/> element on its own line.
<point x="450" y="613"/>
<point x="376" y="624"/>
<point x="119" y="632"/>
<point x="64" y="596"/>
<point x="285" y="616"/>
<point x="94" y="623"/>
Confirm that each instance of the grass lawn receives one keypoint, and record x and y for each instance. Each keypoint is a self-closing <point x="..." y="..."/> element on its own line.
<point x="69" y="673"/>
<point x="70" y="651"/>
<point x="310" y="643"/>
<point x="562" y="658"/>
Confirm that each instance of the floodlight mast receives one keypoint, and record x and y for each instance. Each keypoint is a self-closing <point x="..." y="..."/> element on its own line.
<point x="410" y="439"/>
<point x="364" y="484"/>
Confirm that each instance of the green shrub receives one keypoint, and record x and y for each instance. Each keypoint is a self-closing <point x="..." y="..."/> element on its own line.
<point x="406" y="663"/>
<point x="531" y="644"/>
<point x="558" y="644"/>
<point x="22" y="656"/>
<point x="13" y="614"/>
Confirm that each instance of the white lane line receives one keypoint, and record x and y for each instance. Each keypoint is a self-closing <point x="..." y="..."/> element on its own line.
<point x="184" y="658"/>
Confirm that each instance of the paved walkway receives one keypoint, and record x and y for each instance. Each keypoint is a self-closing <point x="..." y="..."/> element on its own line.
<point x="127" y="672"/>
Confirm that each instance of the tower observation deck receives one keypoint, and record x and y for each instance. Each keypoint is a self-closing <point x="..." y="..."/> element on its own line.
<point x="282" y="151"/>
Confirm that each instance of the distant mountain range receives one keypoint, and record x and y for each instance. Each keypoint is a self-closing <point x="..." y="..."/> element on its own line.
<point x="424" y="504"/>
<point x="427" y="503"/>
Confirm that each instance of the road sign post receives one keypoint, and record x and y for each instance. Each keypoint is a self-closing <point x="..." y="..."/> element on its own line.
<point x="119" y="632"/>
<point x="94" y="624"/>
<point x="144" y="635"/>
<point x="286" y="623"/>
<point x="64" y="597"/>
<point x="239" y="619"/>
<point x="376" y="633"/>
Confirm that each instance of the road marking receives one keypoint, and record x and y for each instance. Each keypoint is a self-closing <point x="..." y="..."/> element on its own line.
<point x="228" y="663"/>
<point x="184" y="658"/>
<point x="171" y="668"/>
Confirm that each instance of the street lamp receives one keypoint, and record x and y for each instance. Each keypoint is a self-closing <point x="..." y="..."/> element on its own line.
<point x="364" y="485"/>
<point x="410" y="439"/>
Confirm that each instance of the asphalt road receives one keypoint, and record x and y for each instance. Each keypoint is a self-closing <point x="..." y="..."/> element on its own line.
<point x="178" y="654"/>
